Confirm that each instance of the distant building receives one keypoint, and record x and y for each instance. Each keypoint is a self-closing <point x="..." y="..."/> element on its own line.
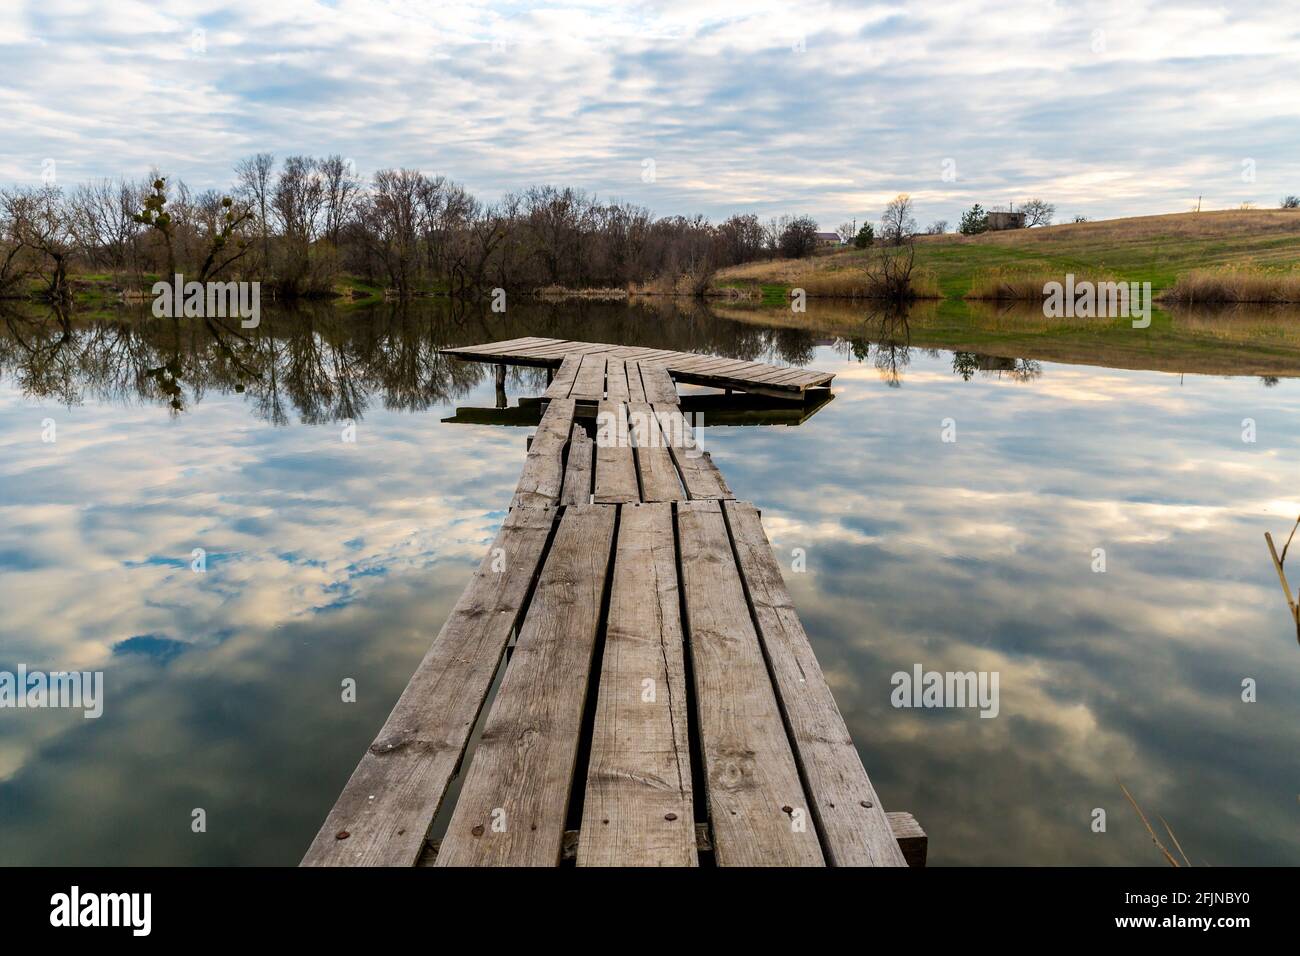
<point x="831" y="238"/>
<point x="1005" y="220"/>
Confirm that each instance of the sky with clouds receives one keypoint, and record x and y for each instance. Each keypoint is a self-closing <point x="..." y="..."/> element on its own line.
<point x="828" y="108"/>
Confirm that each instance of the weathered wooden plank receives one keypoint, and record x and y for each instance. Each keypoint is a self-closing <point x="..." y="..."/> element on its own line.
<point x="616" y="380"/>
<point x="384" y="812"/>
<point x="700" y="475"/>
<point x="762" y="378"/>
<point x="849" y="816"/>
<point x="703" y="363"/>
<point x="508" y="345"/>
<point x="562" y="382"/>
<point x="635" y="389"/>
<point x="512" y="808"/>
<point x="654" y="462"/>
<point x="757" y="806"/>
<point x="659" y="387"/>
<point x="554" y="349"/>
<point x="638" y="807"/>
<point x="616" y="479"/>
<point x="589" y="386"/>
<point x="912" y="841"/>
<point x="543" y="475"/>
<point x="578" y="469"/>
<point x="740" y="383"/>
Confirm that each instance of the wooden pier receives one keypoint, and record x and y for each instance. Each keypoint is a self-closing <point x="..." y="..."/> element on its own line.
<point x="659" y="703"/>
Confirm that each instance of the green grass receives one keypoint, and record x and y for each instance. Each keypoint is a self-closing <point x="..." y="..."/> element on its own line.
<point x="1155" y="249"/>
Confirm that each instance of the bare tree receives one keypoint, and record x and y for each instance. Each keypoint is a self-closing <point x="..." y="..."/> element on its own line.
<point x="889" y="273"/>
<point x="389" y="223"/>
<point x="15" y="260"/>
<point x="103" y="221"/>
<point x="341" y="190"/>
<point x="297" y="202"/>
<point x="1038" y="212"/>
<point x="253" y="184"/>
<point x="897" y="223"/>
<point x="38" y="221"/>
<point x="937" y="228"/>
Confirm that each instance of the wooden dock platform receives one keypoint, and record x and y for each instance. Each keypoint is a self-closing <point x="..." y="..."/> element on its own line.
<point x="659" y="703"/>
<point x="585" y="369"/>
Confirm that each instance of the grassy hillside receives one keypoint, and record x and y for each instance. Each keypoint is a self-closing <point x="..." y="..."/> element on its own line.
<point x="1155" y="249"/>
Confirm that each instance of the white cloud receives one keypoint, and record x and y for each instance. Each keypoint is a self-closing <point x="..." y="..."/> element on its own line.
<point x="1026" y="97"/>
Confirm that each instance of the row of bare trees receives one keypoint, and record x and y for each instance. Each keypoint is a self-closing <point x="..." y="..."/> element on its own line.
<point x="299" y="224"/>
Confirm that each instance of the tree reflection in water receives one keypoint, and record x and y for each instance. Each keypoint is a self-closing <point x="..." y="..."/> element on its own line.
<point x="323" y="363"/>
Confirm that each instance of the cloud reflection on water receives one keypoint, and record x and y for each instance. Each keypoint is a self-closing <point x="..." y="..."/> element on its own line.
<point x="328" y="561"/>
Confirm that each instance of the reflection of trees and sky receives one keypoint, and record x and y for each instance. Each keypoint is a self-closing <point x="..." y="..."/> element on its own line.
<point x="328" y="559"/>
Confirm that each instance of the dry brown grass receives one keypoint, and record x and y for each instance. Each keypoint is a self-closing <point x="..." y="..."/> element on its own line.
<point x="561" y="292"/>
<point x="1216" y="225"/>
<point x="1020" y="285"/>
<point x="1164" y="851"/>
<point x="819" y="277"/>
<point x="1235" y="285"/>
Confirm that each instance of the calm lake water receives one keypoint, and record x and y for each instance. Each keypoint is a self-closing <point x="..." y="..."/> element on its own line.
<point x="328" y="559"/>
